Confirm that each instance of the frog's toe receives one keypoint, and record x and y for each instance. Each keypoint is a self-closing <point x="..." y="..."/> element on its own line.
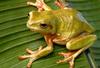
<point x="24" y="57"/>
<point x="68" y="57"/>
<point x="33" y="52"/>
<point x="69" y="60"/>
<point x="31" y="59"/>
<point x="32" y="56"/>
<point x="29" y="51"/>
<point x="68" y="54"/>
<point x="40" y="4"/>
<point x="30" y="62"/>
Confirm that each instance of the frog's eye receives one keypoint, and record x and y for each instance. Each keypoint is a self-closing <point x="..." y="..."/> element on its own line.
<point x="43" y="25"/>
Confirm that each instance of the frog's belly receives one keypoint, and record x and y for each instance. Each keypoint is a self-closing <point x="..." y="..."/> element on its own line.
<point x="60" y="41"/>
<point x="66" y="37"/>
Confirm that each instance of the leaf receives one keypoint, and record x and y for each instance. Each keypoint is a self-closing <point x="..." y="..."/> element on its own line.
<point x="15" y="37"/>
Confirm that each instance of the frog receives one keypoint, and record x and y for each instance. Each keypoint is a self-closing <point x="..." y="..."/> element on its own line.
<point x="64" y="26"/>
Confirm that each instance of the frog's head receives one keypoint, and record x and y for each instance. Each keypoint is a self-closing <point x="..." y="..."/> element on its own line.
<point x="43" y="22"/>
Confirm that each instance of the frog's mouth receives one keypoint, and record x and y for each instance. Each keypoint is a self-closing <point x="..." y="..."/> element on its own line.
<point x="35" y="29"/>
<point x="32" y="28"/>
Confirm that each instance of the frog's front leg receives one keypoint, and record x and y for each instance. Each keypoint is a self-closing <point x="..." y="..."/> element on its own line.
<point x="81" y="42"/>
<point x="34" y="55"/>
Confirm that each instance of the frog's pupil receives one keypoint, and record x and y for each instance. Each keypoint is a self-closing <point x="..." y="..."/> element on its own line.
<point x="43" y="25"/>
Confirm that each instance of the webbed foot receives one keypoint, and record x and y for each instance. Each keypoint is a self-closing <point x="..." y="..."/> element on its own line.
<point x="71" y="56"/>
<point x="61" y="3"/>
<point x="39" y="4"/>
<point x="34" y="55"/>
<point x="68" y="57"/>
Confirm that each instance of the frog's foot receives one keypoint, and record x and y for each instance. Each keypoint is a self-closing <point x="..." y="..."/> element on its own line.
<point x="32" y="57"/>
<point x="70" y="56"/>
<point x="62" y="4"/>
<point x="39" y="4"/>
<point x="59" y="3"/>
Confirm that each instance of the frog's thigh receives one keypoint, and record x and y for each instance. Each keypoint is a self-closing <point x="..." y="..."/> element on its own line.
<point x="80" y="42"/>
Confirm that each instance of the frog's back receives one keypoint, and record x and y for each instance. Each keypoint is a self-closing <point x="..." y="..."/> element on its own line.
<point x="69" y="25"/>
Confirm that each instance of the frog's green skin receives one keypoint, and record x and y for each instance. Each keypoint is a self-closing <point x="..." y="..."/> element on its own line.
<point x="65" y="26"/>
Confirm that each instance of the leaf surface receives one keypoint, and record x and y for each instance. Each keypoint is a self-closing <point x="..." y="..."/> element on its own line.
<point x="15" y="37"/>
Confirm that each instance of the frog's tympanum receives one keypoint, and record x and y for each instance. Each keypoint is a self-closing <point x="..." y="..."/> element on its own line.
<point x="64" y="26"/>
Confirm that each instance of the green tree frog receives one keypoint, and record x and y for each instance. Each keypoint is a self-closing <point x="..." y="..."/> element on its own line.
<point x="65" y="26"/>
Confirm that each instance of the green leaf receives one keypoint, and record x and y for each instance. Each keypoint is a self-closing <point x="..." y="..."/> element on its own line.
<point x="15" y="37"/>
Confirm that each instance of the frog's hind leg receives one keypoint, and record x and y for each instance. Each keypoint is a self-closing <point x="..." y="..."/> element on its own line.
<point x="61" y="4"/>
<point x="39" y="4"/>
<point x="69" y="57"/>
<point x="78" y="44"/>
